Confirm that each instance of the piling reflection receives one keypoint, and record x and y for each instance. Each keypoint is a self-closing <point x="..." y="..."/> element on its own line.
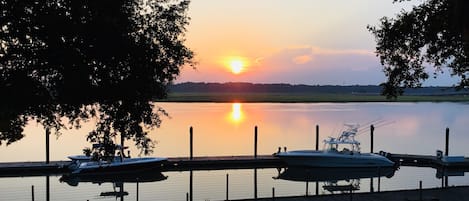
<point x="335" y="179"/>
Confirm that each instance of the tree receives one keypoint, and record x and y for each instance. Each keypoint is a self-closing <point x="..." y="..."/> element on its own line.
<point x="87" y="59"/>
<point x="434" y="33"/>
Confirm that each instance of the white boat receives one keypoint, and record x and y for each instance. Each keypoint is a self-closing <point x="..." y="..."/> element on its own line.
<point x="88" y="164"/>
<point x="331" y="156"/>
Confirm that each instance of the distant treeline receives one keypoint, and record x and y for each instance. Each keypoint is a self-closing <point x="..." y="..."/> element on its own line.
<point x="244" y="87"/>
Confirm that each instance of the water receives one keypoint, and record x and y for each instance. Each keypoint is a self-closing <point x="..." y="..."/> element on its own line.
<point x="228" y="129"/>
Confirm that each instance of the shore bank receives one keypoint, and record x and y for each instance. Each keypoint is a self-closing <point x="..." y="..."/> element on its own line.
<point x="304" y="98"/>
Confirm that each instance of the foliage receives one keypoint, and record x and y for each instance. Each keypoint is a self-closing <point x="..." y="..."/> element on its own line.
<point x="89" y="59"/>
<point x="434" y="33"/>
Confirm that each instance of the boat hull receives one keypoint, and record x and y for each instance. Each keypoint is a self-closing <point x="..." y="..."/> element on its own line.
<point x="128" y="165"/>
<point x="327" y="159"/>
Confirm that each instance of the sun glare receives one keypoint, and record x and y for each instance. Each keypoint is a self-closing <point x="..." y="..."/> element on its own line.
<point x="236" y="66"/>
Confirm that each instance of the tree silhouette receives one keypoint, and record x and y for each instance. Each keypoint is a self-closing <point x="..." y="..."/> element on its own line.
<point x="434" y="33"/>
<point x="104" y="59"/>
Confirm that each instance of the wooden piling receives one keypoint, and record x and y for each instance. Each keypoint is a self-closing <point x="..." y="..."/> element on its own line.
<point x="273" y="193"/>
<point x="122" y="144"/>
<point x="446" y="181"/>
<point x="137" y="191"/>
<point x="191" y="185"/>
<point x="420" y="190"/>
<point x="47" y="188"/>
<point x="372" y="130"/>
<point x="255" y="183"/>
<point x="447" y="142"/>
<point x="307" y="188"/>
<point x="317" y="137"/>
<point x="47" y="145"/>
<point x="32" y="192"/>
<point x="227" y="188"/>
<point x="191" y="156"/>
<point x="255" y="142"/>
<point x="379" y="179"/>
<point x="317" y="188"/>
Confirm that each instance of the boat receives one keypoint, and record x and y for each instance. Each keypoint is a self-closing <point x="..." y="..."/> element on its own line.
<point x="118" y="163"/>
<point x="332" y="156"/>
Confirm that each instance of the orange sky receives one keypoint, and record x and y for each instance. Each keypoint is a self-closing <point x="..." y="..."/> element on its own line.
<point x="283" y="41"/>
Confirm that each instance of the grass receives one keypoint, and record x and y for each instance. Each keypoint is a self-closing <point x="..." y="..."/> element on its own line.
<point x="303" y="98"/>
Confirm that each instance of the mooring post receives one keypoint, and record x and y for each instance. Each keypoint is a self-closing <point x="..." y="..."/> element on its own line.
<point x="47" y="145"/>
<point x="273" y="193"/>
<point x="317" y="137"/>
<point x="137" y="191"/>
<point x="255" y="183"/>
<point x="372" y="130"/>
<point x="255" y="141"/>
<point x="379" y="179"/>
<point x="420" y="190"/>
<point x="447" y="142"/>
<point x="191" y="186"/>
<point x="227" y="189"/>
<point x="187" y="196"/>
<point x="32" y="192"/>
<point x="47" y="188"/>
<point x="307" y="188"/>
<point x="122" y="144"/>
<point x="191" y="137"/>
<point x="446" y="181"/>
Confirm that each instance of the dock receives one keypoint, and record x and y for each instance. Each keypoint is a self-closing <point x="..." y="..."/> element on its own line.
<point x="432" y="194"/>
<point x="427" y="161"/>
<point x="12" y="169"/>
<point x="222" y="162"/>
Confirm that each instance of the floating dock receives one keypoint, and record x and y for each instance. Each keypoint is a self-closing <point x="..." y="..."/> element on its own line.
<point x="220" y="163"/>
<point x="173" y="164"/>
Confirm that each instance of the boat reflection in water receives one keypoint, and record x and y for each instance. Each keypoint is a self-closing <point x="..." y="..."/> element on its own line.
<point x="116" y="179"/>
<point x="335" y="179"/>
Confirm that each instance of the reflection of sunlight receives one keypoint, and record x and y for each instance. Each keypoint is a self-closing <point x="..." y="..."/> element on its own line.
<point x="236" y="112"/>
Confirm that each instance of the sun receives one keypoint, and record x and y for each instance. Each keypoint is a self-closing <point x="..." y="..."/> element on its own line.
<point x="236" y="66"/>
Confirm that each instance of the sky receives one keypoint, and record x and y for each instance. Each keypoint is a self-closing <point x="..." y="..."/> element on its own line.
<point x="314" y="42"/>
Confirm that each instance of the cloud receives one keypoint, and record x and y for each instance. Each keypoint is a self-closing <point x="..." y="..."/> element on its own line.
<point x="302" y="59"/>
<point x="316" y="65"/>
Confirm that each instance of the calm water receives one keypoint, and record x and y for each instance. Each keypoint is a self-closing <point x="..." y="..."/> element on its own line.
<point x="227" y="129"/>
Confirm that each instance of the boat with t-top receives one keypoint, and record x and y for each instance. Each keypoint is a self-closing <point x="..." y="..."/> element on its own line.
<point x="332" y="156"/>
<point x="115" y="163"/>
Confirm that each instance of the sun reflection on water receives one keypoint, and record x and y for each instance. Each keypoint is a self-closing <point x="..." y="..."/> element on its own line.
<point x="236" y="113"/>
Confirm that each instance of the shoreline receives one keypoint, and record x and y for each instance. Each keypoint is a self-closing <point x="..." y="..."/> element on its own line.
<point x="204" y="97"/>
